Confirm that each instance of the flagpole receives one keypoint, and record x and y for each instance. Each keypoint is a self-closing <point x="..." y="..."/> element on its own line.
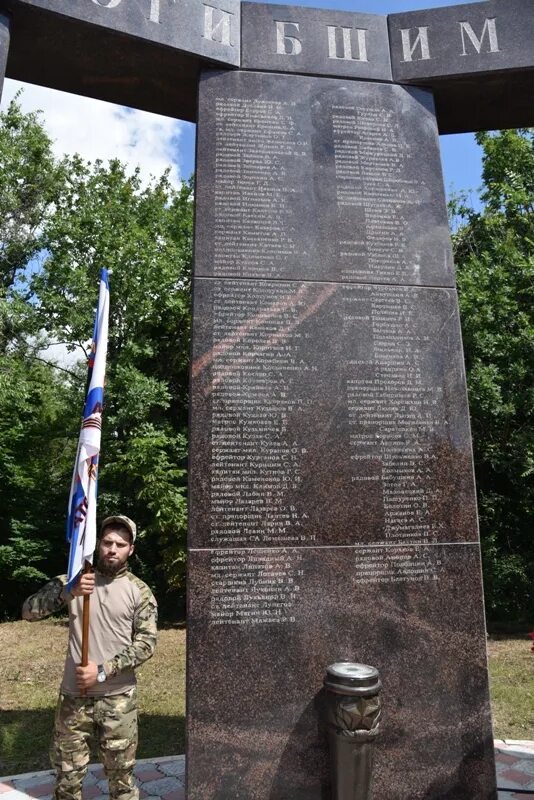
<point x="87" y="568"/>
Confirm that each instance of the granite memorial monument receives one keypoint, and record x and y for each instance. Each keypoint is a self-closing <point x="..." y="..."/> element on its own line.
<point x="332" y="500"/>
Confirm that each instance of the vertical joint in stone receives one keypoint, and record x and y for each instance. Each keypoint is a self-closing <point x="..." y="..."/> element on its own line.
<point x="5" y="25"/>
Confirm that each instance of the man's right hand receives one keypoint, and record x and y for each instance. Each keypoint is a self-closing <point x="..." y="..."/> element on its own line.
<point x="84" y="585"/>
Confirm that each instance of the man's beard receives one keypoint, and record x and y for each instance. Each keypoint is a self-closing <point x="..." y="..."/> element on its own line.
<point x="109" y="569"/>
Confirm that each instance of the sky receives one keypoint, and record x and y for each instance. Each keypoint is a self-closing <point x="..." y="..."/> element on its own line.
<point x="101" y="130"/>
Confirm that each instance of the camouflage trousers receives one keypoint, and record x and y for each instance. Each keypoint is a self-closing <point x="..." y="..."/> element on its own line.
<point x="111" y="722"/>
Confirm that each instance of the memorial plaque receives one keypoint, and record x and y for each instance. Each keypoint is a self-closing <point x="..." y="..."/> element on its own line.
<point x="332" y="506"/>
<point x="319" y="179"/>
<point x="319" y="395"/>
<point x="262" y="625"/>
<point x="4" y="47"/>
<point x="284" y="38"/>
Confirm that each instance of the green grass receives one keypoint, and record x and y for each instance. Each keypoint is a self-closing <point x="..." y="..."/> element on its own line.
<point x="31" y="664"/>
<point x="512" y="687"/>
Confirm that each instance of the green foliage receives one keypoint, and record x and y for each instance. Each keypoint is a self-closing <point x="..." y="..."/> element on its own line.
<point x="30" y="179"/>
<point x="36" y="447"/>
<point x="34" y="426"/>
<point x="494" y="252"/>
<point x="81" y="218"/>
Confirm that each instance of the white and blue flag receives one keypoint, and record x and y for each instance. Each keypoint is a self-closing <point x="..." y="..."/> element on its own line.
<point x="81" y="522"/>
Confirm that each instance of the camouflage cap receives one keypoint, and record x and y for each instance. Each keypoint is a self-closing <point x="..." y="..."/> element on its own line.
<point x="120" y="519"/>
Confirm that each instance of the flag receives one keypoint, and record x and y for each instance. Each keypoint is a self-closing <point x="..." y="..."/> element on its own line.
<point x="81" y="521"/>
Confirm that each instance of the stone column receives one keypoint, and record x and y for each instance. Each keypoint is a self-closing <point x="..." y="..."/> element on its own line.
<point x="4" y="47"/>
<point x="333" y="513"/>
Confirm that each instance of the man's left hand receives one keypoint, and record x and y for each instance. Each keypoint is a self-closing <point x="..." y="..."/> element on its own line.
<point x="86" y="676"/>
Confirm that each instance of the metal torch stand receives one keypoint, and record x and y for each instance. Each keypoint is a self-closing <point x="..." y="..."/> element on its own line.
<point x="353" y="715"/>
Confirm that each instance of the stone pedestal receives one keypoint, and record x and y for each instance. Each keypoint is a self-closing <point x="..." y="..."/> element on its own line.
<point x="333" y="509"/>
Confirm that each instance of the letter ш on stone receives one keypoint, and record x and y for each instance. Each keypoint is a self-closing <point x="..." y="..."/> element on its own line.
<point x="346" y="43"/>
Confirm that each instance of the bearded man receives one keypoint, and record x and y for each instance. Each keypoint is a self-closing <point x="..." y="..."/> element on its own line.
<point x="100" y="700"/>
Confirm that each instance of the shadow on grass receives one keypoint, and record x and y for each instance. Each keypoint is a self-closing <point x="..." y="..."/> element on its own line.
<point x="25" y="739"/>
<point x="171" y="625"/>
<point x="509" y="630"/>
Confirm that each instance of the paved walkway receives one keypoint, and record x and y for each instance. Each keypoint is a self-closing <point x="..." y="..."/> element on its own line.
<point x="157" y="778"/>
<point x="165" y="777"/>
<point x="515" y="769"/>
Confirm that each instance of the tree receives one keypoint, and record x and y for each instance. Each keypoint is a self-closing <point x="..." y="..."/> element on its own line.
<point x="30" y="180"/>
<point x="494" y="252"/>
<point x="143" y="235"/>
<point x="101" y="216"/>
<point x="32" y="437"/>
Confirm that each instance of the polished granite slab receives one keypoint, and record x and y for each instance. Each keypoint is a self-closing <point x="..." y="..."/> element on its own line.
<point x="144" y="54"/>
<point x="464" y="39"/>
<point x="332" y="503"/>
<point x="264" y="625"/>
<point x="319" y="179"/>
<point x="328" y="414"/>
<point x="184" y="26"/>
<point x="477" y="59"/>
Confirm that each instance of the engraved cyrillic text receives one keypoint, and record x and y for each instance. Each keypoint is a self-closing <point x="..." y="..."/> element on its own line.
<point x="287" y="44"/>
<point x="488" y="36"/>
<point x="218" y="25"/>
<point x="340" y="43"/>
<point x="259" y="587"/>
<point x="386" y="565"/>
<point x="419" y="47"/>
